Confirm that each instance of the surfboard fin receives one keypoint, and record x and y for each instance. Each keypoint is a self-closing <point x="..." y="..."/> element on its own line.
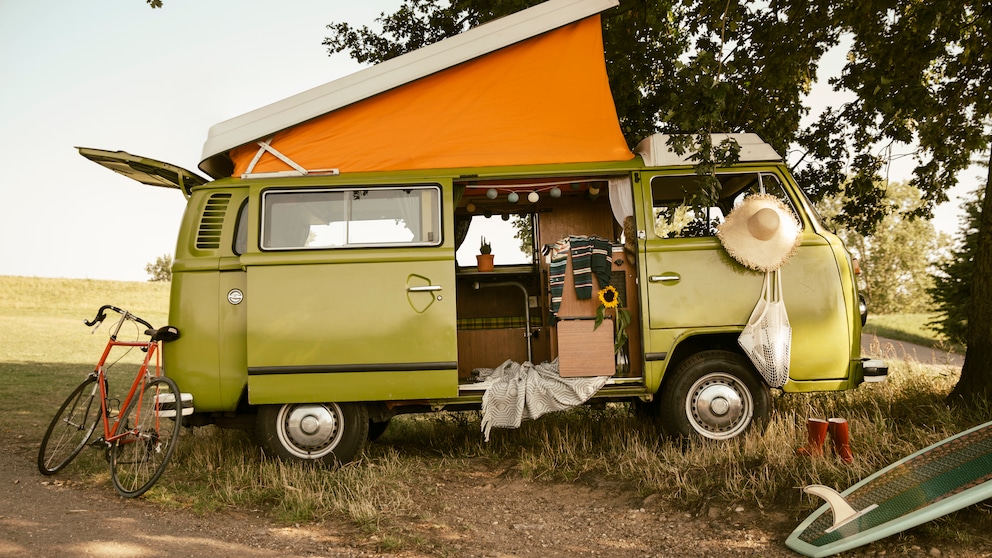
<point x="843" y="512"/>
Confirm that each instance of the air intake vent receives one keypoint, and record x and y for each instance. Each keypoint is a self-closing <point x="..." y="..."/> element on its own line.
<point x="212" y="222"/>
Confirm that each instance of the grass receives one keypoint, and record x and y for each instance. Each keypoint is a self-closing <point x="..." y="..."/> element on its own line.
<point x="46" y="351"/>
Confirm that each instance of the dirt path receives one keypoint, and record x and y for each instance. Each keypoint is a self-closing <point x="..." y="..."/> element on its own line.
<point x="479" y="512"/>
<point x="476" y="513"/>
<point x="890" y="349"/>
<point x="45" y="517"/>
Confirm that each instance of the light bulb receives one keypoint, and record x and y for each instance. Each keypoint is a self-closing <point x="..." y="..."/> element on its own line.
<point x="492" y="193"/>
<point x="555" y="192"/>
<point x="513" y="197"/>
<point x="470" y="207"/>
<point x="533" y="197"/>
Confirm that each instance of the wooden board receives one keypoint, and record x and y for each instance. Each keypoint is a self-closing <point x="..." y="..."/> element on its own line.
<point x="583" y="351"/>
<point x="945" y="477"/>
<point x="488" y="348"/>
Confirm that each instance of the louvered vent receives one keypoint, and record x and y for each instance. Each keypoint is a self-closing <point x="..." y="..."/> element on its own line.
<point x="212" y="222"/>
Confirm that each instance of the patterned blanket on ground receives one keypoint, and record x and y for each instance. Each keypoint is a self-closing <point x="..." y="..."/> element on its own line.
<point x="527" y="391"/>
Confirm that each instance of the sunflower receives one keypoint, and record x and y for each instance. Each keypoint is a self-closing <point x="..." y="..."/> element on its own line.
<point x="609" y="297"/>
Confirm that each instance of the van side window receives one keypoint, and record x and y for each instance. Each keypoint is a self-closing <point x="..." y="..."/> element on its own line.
<point x="367" y="217"/>
<point x="241" y="230"/>
<point x="676" y="216"/>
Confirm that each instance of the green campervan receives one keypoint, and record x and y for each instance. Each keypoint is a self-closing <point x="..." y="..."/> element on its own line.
<point x="325" y="277"/>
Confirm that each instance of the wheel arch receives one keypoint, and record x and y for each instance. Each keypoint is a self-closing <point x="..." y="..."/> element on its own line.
<point x="698" y="343"/>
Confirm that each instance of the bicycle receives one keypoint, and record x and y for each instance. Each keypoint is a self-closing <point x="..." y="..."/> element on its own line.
<point x="138" y="440"/>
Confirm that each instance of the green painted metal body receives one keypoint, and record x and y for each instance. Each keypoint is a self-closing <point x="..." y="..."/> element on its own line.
<point x="379" y="324"/>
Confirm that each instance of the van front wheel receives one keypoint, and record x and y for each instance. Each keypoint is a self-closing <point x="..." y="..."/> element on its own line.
<point x="715" y="395"/>
<point x="328" y="434"/>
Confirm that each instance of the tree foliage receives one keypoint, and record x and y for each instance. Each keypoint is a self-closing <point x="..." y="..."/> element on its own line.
<point x="160" y="269"/>
<point x="897" y="259"/>
<point x="951" y="291"/>
<point x="917" y="69"/>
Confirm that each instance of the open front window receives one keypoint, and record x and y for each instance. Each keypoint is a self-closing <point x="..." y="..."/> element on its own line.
<point x="675" y="216"/>
<point x="378" y="216"/>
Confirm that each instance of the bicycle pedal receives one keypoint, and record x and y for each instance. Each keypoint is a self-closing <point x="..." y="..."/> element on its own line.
<point x="98" y="443"/>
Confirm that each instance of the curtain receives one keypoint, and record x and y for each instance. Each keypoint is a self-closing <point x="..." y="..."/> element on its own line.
<point x="621" y="198"/>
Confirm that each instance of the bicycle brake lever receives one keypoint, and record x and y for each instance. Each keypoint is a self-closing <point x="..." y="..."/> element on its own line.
<point x="96" y="327"/>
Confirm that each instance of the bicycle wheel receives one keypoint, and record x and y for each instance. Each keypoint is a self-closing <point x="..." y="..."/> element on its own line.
<point x="152" y="423"/>
<point x="71" y="428"/>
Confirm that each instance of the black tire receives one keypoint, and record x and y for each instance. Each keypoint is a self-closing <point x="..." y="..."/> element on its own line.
<point x="327" y="434"/>
<point x="715" y="395"/>
<point x="71" y="428"/>
<point x="154" y="416"/>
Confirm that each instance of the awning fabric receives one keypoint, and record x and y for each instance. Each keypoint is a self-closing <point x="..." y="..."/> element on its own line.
<point x="543" y="100"/>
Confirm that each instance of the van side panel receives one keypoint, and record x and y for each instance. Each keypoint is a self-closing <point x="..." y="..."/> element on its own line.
<point x="351" y="323"/>
<point x="208" y="359"/>
<point x="350" y="386"/>
<point x="192" y="360"/>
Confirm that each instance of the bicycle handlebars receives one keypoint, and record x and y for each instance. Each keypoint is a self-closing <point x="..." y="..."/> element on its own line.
<point x="101" y="315"/>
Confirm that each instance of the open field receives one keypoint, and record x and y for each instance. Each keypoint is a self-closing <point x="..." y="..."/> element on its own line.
<point x="431" y="487"/>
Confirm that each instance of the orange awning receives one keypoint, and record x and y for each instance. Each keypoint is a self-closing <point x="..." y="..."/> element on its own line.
<point x="543" y="100"/>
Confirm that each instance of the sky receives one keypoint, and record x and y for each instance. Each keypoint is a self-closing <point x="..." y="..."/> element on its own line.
<point x="122" y="76"/>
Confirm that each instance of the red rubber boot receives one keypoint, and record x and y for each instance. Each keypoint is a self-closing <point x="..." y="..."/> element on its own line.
<point x="841" y="437"/>
<point x="816" y="433"/>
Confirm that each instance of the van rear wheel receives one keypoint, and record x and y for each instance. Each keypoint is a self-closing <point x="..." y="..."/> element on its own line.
<point x="327" y="434"/>
<point x="715" y="395"/>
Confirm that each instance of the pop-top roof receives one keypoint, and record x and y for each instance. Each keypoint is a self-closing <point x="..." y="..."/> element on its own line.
<point x="656" y="152"/>
<point x="528" y="88"/>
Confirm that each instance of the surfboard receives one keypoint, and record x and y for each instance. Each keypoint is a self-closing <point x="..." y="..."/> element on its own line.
<point x="937" y="480"/>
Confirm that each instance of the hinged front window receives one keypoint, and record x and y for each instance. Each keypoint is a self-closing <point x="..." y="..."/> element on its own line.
<point x="675" y="215"/>
<point x="342" y="218"/>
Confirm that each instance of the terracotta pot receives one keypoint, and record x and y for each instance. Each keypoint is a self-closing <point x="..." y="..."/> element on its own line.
<point x="484" y="262"/>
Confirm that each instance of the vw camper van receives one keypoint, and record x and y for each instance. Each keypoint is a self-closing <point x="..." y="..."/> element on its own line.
<point x="323" y="283"/>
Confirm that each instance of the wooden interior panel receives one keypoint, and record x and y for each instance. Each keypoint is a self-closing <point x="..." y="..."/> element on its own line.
<point x="584" y="351"/>
<point x="488" y="348"/>
<point x="577" y="216"/>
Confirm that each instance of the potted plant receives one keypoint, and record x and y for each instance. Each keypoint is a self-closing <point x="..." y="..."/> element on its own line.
<point x="484" y="260"/>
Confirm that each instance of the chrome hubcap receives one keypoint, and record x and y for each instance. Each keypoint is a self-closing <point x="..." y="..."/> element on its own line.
<point x="310" y="431"/>
<point x="719" y="406"/>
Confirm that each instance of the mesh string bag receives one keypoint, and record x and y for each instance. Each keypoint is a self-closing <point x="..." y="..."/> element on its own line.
<point x="767" y="336"/>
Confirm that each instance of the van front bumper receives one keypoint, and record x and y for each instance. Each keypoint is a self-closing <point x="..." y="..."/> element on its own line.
<point x="874" y="370"/>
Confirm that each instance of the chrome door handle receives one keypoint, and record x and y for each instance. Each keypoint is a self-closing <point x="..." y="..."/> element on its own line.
<point x="665" y="278"/>
<point x="424" y="289"/>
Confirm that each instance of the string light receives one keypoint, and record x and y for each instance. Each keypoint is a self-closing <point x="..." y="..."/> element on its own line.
<point x="534" y="196"/>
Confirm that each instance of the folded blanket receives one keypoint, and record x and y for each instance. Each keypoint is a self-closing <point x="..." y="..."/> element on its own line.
<point x="527" y="391"/>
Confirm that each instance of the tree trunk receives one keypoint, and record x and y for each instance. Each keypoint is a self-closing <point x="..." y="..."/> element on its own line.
<point x="976" y="374"/>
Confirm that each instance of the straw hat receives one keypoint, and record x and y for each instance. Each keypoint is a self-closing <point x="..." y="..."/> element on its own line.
<point x="761" y="233"/>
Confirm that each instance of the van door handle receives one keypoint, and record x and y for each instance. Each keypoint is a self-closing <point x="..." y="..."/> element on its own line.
<point x="665" y="278"/>
<point x="424" y="289"/>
